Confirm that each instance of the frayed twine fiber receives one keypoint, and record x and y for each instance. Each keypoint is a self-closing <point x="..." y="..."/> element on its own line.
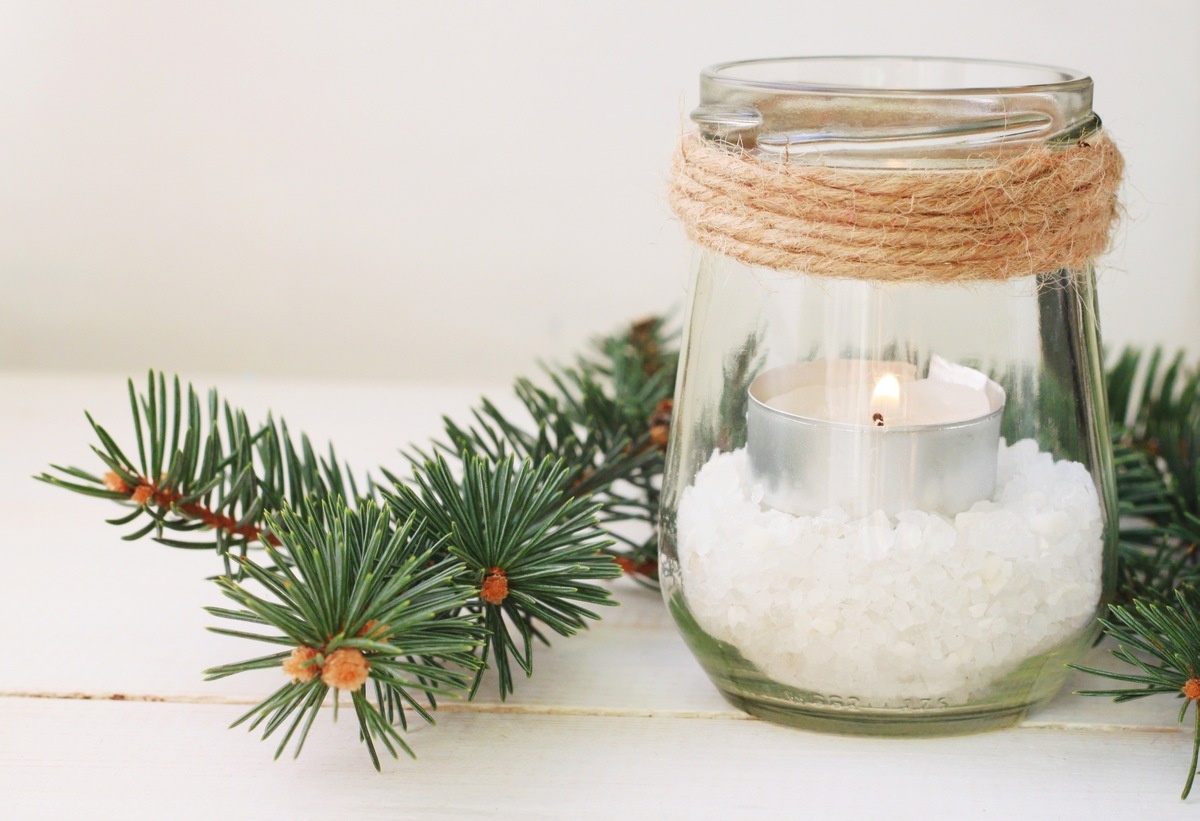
<point x="1039" y="211"/>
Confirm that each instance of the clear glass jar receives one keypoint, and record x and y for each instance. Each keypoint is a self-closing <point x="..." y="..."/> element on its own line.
<point x="888" y="506"/>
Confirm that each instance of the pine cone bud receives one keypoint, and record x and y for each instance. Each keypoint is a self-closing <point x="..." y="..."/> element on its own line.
<point x="346" y="669"/>
<point x="297" y="667"/>
<point x="495" y="587"/>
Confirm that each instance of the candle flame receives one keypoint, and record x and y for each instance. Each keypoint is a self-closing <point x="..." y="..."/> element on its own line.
<point x="887" y="391"/>
<point x="885" y="399"/>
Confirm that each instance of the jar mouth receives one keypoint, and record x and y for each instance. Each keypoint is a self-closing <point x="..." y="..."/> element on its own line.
<point x="892" y="112"/>
<point x="895" y="75"/>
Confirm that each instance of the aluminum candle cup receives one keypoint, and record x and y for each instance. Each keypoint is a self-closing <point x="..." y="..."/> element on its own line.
<point x="809" y="462"/>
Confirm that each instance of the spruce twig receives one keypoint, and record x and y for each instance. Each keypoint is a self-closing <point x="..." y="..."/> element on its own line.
<point x="530" y="550"/>
<point x="1162" y="643"/>
<point x="1156" y="424"/>
<point x="204" y="480"/>
<point x="361" y="602"/>
<point x="468" y="571"/>
<point x="607" y="417"/>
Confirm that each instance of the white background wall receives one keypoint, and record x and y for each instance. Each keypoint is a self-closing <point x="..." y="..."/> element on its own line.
<point x="451" y="190"/>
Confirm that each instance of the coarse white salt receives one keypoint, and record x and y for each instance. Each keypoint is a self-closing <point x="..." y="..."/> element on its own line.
<point x="887" y="610"/>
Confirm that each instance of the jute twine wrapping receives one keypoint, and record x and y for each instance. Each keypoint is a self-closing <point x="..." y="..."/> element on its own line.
<point x="1038" y="211"/>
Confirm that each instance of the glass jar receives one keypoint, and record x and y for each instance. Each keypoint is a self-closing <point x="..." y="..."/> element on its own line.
<point x="889" y="504"/>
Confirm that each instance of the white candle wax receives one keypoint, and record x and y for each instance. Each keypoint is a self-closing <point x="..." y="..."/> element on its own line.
<point x="936" y="400"/>
<point x="866" y="435"/>
<point x="920" y="402"/>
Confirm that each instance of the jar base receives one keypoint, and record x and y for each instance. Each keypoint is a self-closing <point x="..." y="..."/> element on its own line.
<point x="744" y="686"/>
<point x="880" y="723"/>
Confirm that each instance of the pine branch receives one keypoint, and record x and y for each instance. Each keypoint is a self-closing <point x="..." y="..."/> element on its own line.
<point x="365" y="606"/>
<point x="1156" y="424"/>
<point x="204" y="480"/>
<point x="1162" y="643"/>
<point x="607" y="418"/>
<point x="529" y="548"/>
<point x="504" y="556"/>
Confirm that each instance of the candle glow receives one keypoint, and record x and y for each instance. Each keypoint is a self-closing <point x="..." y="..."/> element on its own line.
<point x="885" y="399"/>
<point x="866" y="435"/>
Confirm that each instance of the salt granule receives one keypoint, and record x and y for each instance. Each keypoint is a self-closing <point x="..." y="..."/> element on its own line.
<point x="886" y="610"/>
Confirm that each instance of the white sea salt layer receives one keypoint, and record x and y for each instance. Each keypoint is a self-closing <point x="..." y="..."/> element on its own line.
<point x="886" y="610"/>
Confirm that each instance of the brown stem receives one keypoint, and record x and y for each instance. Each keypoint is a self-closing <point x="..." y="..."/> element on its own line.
<point x="646" y="568"/>
<point x="167" y="498"/>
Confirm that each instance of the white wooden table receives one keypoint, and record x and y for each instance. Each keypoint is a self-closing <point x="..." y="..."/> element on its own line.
<point x="104" y="713"/>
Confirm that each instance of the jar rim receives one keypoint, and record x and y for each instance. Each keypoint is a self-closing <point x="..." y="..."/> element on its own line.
<point x="824" y="74"/>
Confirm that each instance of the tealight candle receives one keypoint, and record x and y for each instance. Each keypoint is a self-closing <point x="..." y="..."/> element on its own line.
<point x="865" y="435"/>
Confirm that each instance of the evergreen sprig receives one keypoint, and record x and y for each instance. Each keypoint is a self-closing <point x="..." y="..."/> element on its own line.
<point x="361" y="601"/>
<point x="606" y="417"/>
<point x="1156" y="423"/>
<point x="204" y="480"/>
<point x="1162" y="643"/>
<point x="1156" y="432"/>
<point x="457" y="573"/>
<point x="530" y="550"/>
